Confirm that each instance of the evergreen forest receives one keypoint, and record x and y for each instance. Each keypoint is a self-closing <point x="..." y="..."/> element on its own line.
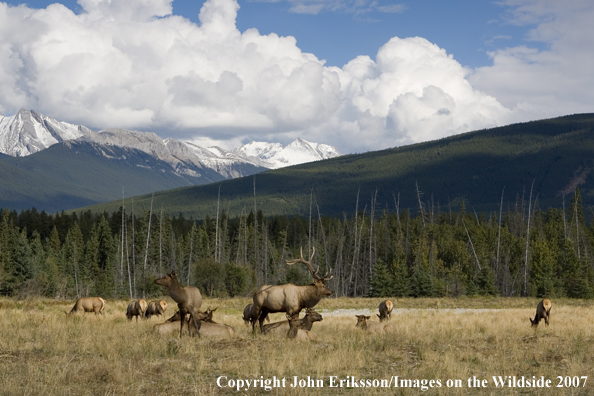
<point x="523" y="250"/>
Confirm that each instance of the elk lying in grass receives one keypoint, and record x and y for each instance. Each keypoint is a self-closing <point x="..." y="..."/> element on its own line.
<point x="249" y="317"/>
<point x="373" y="327"/>
<point x="88" y="304"/>
<point x="543" y="311"/>
<point x="281" y="328"/>
<point x="289" y="298"/>
<point x="385" y="310"/>
<point x="174" y="323"/>
<point x="295" y="333"/>
<point x="156" y="308"/>
<point x="188" y="298"/>
<point x="208" y="328"/>
<point x="136" y="308"/>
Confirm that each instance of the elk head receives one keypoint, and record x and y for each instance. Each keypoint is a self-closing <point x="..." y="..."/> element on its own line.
<point x="317" y="279"/>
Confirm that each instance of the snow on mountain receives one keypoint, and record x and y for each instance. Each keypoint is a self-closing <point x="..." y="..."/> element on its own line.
<point x="28" y="132"/>
<point x="275" y="155"/>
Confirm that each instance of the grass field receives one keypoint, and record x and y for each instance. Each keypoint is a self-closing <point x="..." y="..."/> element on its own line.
<point x="44" y="353"/>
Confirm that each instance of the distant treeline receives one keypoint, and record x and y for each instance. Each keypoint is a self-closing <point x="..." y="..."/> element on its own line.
<point x="523" y="251"/>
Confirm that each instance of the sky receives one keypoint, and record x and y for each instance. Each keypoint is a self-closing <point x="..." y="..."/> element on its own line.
<point x="359" y="75"/>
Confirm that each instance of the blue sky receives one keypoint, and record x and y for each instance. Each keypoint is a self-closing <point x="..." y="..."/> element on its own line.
<point x="382" y="74"/>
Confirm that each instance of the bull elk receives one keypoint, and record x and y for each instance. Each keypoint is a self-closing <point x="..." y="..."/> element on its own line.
<point x="281" y="328"/>
<point x="385" y="310"/>
<point x="188" y="298"/>
<point x="136" y="308"/>
<point x="543" y="311"/>
<point x="88" y="304"/>
<point x="155" y="308"/>
<point x="290" y="298"/>
<point x="373" y="327"/>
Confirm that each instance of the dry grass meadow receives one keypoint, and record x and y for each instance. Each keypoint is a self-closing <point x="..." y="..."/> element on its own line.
<point x="44" y="353"/>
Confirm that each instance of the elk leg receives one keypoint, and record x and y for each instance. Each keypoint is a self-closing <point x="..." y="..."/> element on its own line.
<point x="193" y="318"/>
<point x="182" y="314"/>
<point x="261" y="317"/>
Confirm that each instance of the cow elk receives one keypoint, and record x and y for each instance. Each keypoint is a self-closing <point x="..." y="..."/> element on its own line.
<point x="155" y="308"/>
<point x="290" y="298"/>
<point x="208" y="328"/>
<point x="88" y="304"/>
<point x="136" y="308"/>
<point x="295" y="333"/>
<point x="281" y="328"/>
<point x="373" y="327"/>
<point x="543" y="311"/>
<point x="385" y="310"/>
<point x="188" y="298"/>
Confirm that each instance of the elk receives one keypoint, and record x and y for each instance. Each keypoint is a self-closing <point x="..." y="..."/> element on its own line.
<point x="295" y="333"/>
<point x="175" y="322"/>
<point x="208" y="328"/>
<point x="136" y="308"/>
<point x="188" y="299"/>
<point x="543" y="311"/>
<point x="248" y="314"/>
<point x="289" y="298"/>
<point x="88" y="304"/>
<point x="281" y="328"/>
<point x="385" y="310"/>
<point x="155" y="308"/>
<point x="373" y="327"/>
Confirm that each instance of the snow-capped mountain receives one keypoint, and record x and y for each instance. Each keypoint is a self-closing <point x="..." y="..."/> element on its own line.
<point x="29" y="132"/>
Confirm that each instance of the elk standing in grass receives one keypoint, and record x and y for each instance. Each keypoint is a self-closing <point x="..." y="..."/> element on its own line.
<point x="281" y="328"/>
<point x="136" y="308"/>
<point x="155" y="308"/>
<point x="248" y="313"/>
<point x="385" y="310"/>
<point x="289" y="298"/>
<point x="188" y="299"/>
<point x="543" y="311"/>
<point x="373" y="327"/>
<point x="88" y="304"/>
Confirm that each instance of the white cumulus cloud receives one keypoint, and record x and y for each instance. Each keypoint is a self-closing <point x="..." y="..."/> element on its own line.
<point x="132" y="64"/>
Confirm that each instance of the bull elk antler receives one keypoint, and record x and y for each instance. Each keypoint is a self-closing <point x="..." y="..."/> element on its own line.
<point x="314" y="273"/>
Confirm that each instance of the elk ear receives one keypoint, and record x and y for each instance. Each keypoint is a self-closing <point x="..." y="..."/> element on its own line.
<point x="368" y="317"/>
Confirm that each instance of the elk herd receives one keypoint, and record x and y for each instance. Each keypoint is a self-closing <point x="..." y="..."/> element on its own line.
<point x="288" y="298"/>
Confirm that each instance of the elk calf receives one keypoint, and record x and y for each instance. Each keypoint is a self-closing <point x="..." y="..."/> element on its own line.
<point x="385" y="310"/>
<point x="88" y="304"/>
<point x="373" y="327"/>
<point x="281" y="328"/>
<point x="543" y="311"/>
<point x="136" y="308"/>
<point x="155" y="308"/>
<point x="249" y="317"/>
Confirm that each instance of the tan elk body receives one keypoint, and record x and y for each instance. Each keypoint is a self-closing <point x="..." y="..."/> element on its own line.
<point x="385" y="310"/>
<point x="188" y="299"/>
<point x="88" y="304"/>
<point x="365" y="324"/>
<point x="295" y="333"/>
<point x="136" y="308"/>
<point x="208" y="328"/>
<point x="543" y="311"/>
<point x="290" y="298"/>
<point x="155" y="308"/>
<point x="281" y="328"/>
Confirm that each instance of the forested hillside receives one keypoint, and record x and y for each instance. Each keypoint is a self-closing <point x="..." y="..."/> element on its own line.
<point x="523" y="249"/>
<point x="551" y="157"/>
